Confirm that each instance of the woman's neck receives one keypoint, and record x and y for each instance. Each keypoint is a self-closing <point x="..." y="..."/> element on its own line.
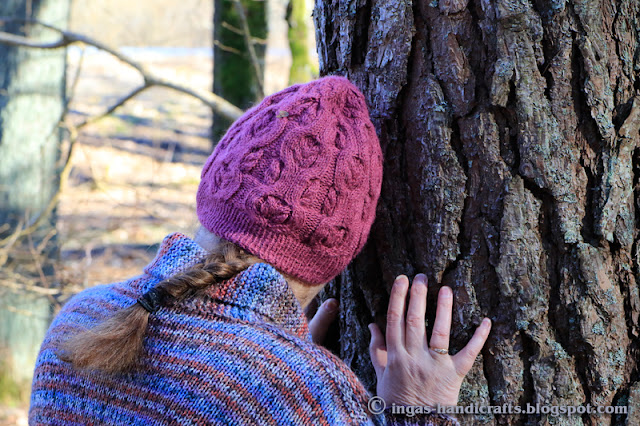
<point x="304" y="292"/>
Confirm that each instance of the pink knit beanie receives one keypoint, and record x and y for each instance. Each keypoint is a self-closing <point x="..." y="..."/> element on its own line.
<point x="296" y="179"/>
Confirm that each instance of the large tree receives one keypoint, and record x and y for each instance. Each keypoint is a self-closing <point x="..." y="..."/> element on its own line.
<point x="510" y="135"/>
<point x="32" y="98"/>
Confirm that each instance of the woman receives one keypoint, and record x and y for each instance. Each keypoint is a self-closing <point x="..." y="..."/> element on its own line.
<point x="214" y="332"/>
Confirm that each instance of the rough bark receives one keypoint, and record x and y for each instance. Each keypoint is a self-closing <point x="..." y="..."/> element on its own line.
<point x="32" y="98"/>
<point x="510" y="135"/>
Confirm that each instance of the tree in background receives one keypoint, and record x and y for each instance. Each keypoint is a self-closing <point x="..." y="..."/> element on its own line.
<point x="234" y="74"/>
<point x="302" y="69"/>
<point x="510" y="136"/>
<point x="282" y="50"/>
<point x="32" y="98"/>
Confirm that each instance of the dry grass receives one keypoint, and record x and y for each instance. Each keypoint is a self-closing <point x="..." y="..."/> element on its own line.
<point x="135" y="174"/>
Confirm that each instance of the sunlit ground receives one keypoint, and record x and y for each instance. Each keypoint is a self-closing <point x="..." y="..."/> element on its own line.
<point x="136" y="173"/>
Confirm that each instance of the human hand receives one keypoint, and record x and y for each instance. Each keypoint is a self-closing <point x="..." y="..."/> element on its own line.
<point x="409" y="371"/>
<point x="324" y="316"/>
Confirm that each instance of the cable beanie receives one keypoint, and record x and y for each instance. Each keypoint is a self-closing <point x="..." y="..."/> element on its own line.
<point x="296" y="179"/>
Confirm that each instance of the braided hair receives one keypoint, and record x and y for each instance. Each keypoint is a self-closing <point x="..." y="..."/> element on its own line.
<point x="115" y="344"/>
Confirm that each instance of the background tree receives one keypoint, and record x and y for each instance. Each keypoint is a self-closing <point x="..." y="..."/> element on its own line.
<point x="235" y="77"/>
<point x="32" y="98"/>
<point x="279" y="33"/>
<point x="303" y="68"/>
<point x="510" y="135"/>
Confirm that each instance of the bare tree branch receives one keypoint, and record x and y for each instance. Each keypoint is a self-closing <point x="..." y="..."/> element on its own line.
<point x="240" y="32"/>
<point x="32" y="288"/>
<point x="227" y="48"/>
<point x="132" y="94"/>
<point x="252" y="51"/>
<point x="14" y="40"/>
<point x="17" y="282"/>
<point x="67" y="38"/>
<point x="231" y="28"/>
<point x="257" y="40"/>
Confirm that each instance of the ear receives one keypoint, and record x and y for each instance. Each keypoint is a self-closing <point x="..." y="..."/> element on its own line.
<point x="206" y="239"/>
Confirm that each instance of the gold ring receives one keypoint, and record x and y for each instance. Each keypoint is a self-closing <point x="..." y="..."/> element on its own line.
<point x="440" y="351"/>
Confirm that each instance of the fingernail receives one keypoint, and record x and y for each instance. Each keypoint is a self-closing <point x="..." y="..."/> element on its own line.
<point x="446" y="292"/>
<point x="486" y="322"/>
<point x="421" y="278"/>
<point x="400" y="279"/>
<point x="332" y="306"/>
<point x="370" y="327"/>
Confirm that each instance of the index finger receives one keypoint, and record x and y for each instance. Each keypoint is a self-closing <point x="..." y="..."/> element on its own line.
<point x="395" y="314"/>
<point x="463" y="360"/>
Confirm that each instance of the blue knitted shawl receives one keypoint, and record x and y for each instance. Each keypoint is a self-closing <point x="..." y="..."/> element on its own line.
<point x="240" y="353"/>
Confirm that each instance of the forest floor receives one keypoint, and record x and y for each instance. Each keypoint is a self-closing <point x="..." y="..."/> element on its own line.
<point x="135" y="173"/>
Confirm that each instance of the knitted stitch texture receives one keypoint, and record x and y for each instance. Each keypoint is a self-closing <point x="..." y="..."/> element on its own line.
<point x="296" y="179"/>
<point x="239" y="354"/>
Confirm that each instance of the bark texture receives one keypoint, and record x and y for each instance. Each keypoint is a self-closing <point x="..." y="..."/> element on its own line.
<point x="510" y="133"/>
<point x="32" y="99"/>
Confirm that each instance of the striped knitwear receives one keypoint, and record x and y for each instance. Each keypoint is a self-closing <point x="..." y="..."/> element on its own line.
<point x="295" y="181"/>
<point x="240" y="353"/>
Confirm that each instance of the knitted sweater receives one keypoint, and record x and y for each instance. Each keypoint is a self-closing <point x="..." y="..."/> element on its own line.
<point x="241" y="353"/>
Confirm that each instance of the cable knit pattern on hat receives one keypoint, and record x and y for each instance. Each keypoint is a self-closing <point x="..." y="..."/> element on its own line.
<point x="296" y="179"/>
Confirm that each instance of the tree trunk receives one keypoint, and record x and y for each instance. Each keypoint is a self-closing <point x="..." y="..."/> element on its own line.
<point x="234" y="77"/>
<point x="302" y="67"/>
<point x="510" y="135"/>
<point x="277" y="56"/>
<point x="32" y="97"/>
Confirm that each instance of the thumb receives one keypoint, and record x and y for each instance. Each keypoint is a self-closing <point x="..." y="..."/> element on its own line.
<point x="377" y="350"/>
<point x="321" y="321"/>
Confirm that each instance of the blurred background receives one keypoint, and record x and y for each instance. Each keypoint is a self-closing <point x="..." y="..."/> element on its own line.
<point x="86" y="199"/>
